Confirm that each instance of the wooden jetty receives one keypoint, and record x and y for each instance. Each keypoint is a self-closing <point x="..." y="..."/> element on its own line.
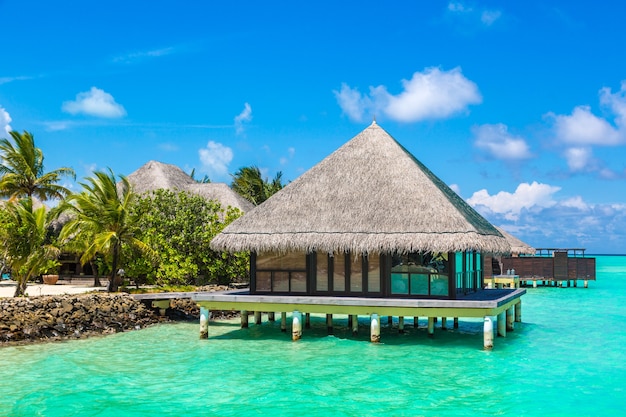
<point x="549" y="267"/>
<point x="503" y="305"/>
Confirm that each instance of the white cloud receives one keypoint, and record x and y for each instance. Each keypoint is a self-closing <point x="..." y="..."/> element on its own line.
<point x="510" y="205"/>
<point x="498" y="143"/>
<point x="95" y="102"/>
<point x="5" y="119"/>
<point x="141" y="55"/>
<point x="582" y="127"/>
<point x="458" y="7"/>
<point x="488" y="17"/>
<point x="455" y="188"/>
<point x="215" y="158"/>
<point x="431" y="94"/>
<point x="578" y="159"/>
<point x="575" y="202"/>
<point x="244" y="117"/>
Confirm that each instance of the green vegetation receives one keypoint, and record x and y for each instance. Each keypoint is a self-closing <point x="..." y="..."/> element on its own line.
<point x="102" y="212"/>
<point x="249" y="183"/>
<point x="22" y="171"/>
<point x="179" y="227"/>
<point x="160" y="238"/>
<point x="28" y="248"/>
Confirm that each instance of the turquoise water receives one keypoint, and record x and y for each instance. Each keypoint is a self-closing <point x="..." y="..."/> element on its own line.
<point x="567" y="358"/>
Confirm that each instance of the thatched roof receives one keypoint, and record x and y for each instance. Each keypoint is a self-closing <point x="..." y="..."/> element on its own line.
<point x="156" y="175"/>
<point x="369" y="196"/>
<point x="517" y="246"/>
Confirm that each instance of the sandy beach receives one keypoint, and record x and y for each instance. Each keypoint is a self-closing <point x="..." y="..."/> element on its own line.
<point x="7" y="289"/>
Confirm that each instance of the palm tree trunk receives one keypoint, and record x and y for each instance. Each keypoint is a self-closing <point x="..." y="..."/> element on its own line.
<point x="20" y="289"/>
<point x="113" y="284"/>
<point x="96" y="277"/>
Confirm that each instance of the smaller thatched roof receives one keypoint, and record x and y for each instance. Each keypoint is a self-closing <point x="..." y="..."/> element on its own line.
<point x="369" y="196"/>
<point x="156" y="175"/>
<point x="517" y="246"/>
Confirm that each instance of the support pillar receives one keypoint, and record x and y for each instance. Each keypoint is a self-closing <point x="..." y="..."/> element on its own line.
<point x="355" y="324"/>
<point x="510" y="314"/>
<point x="204" y="323"/>
<point x="535" y="284"/>
<point x="257" y="318"/>
<point x="586" y="284"/>
<point x="444" y="323"/>
<point x="502" y="324"/>
<point x="416" y="322"/>
<point x="283" y="322"/>
<point x="271" y="316"/>
<point x="456" y="323"/>
<point x="488" y="333"/>
<point x="575" y="283"/>
<point x="390" y="320"/>
<point x="401" y="324"/>
<point x="518" y="312"/>
<point x="431" y="326"/>
<point x="307" y="321"/>
<point x="296" y="326"/>
<point x="374" y="328"/>
<point x="329" y="323"/>
<point x="244" y="319"/>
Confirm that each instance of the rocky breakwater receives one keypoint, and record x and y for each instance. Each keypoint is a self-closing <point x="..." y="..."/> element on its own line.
<point x="43" y="318"/>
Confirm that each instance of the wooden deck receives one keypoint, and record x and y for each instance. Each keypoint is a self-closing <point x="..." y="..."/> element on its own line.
<point x="484" y="303"/>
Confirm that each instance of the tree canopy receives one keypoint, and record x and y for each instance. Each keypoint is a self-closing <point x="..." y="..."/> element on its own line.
<point x="179" y="228"/>
<point x="249" y="183"/>
<point x="22" y="170"/>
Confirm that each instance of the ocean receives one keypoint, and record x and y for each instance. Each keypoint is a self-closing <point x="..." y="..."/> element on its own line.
<point x="566" y="358"/>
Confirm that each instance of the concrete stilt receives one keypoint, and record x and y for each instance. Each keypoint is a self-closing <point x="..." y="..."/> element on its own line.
<point x="204" y="323"/>
<point x="271" y="316"/>
<point x="307" y="321"/>
<point x="575" y="283"/>
<point x="488" y="333"/>
<point x="296" y="326"/>
<point x="535" y="284"/>
<point x="390" y="320"/>
<point x="431" y="326"/>
<point x="401" y="324"/>
<point x="586" y="284"/>
<point x="510" y="315"/>
<point x="456" y="323"/>
<point x="244" y="319"/>
<point x="283" y="322"/>
<point x="502" y="324"/>
<point x="355" y="324"/>
<point x="518" y="312"/>
<point x="444" y="323"/>
<point x="416" y="322"/>
<point x="350" y="320"/>
<point x="257" y="318"/>
<point x="329" y="323"/>
<point x="374" y="328"/>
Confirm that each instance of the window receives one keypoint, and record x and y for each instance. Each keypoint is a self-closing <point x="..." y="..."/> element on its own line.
<point x="356" y="273"/>
<point x="339" y="272"/>
<point x="373" y="273"/>
<point x="419" y="274"/>
<point x="321" y="272"/>
<point x="281" y="273"/>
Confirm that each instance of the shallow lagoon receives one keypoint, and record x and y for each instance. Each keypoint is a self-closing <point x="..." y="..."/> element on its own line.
<point x="567" y="358"/>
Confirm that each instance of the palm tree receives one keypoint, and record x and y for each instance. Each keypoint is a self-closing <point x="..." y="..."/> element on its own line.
<point x="203" y="180"/>
<point x="26" y="248"/>
<point x="102" y="212"/>
<point x="22" y="171"/>
<point x="249" y="183"/>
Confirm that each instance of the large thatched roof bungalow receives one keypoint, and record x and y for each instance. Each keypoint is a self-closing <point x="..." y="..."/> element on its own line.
<point x="155" y="175"/>
<point x="371" y="220"/>
<point x="368" y="229"/>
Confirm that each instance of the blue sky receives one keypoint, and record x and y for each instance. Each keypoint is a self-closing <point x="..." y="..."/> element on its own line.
<point x="519" y="106"/>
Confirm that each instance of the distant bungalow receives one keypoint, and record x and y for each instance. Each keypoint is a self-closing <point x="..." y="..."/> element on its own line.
<point x="369" y="230"/>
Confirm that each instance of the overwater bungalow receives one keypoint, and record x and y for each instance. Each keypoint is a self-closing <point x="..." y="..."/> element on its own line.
<point x="367" y="231"/>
